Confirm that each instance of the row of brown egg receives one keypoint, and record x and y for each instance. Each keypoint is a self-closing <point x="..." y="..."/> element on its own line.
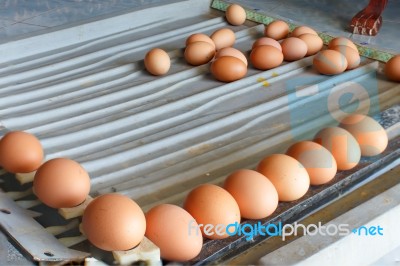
<point x="115" y="222"/>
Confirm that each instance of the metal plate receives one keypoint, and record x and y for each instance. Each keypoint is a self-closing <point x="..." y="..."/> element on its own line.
<point x="31" y="236"/>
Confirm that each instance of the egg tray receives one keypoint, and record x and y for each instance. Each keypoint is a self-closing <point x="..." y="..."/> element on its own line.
<point x="83" y="91"/>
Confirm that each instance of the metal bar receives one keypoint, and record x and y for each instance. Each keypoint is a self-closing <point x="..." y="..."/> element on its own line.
<point x="31" y="236"/>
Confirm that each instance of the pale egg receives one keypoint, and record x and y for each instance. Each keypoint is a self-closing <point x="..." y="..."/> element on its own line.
<point x="330" y="62"/>
<point x="370" y="135"/>
<point x="157" y="62"/>
<point x="317" y="160"/>
<point x="342" y="145"/>
<point x="235" y="14"/>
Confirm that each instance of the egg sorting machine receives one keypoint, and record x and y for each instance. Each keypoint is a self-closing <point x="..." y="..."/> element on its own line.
<point x="84" y="93"/>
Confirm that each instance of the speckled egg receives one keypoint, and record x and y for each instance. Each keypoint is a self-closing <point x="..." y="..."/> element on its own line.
<point x="288" y="176"/>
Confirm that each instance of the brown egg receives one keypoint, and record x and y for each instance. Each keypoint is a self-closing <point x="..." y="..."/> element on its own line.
<point x="199" y="53"/>
<point x="174" y="231"/>
<point x="314" y="43"/>
<point x="223" y="38"/>
<point x="342" y="145"/>
<point x="293" y="49"/>
<point x="277" y="30"/>
<point x="61" y="183"/>
<point x="330" y="62"/>
<point x="235" y="14"/>
<point x="20" y="152"/>
<point x="255" y="194"/>
<point x="199" y="37"/>
<point x="317" y="160"/>
<point x="302" y="30"/>
<point x="266" y="57"/>
<point x="267" y="41"/>
<point x="392" y="68"/>
<point x="213" y="208"/>
<point x="157" y="62"/>
<point x="230" y="51"/>
<point x="289" y="177"/>
<point x="228" y="69"/>
<point x="352" y="56"/>
<point x="370" y="135"/>
<point x="114" y="222"/>
<point x="341" y="41"/>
